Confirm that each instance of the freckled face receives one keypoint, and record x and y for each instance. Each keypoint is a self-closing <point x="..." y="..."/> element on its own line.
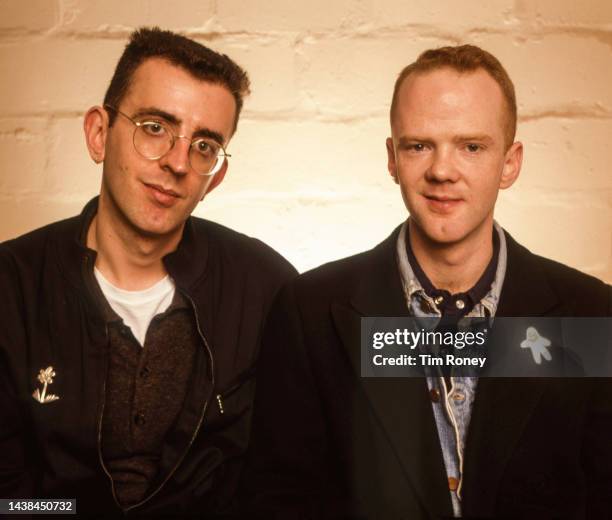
<point x="448" y="152"/>
<point x="155" y="197"/>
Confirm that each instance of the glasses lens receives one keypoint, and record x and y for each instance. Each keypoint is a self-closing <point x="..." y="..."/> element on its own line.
<point x="152" y="139"/>
<point x="206" y="156"/>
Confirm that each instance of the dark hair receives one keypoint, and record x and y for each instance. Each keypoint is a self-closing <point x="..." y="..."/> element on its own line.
<point x="200" y="61"/>
<point x="464" y="58"/>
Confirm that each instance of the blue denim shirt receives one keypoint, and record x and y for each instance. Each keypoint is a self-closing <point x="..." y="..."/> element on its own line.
<point x="453" y="410"/>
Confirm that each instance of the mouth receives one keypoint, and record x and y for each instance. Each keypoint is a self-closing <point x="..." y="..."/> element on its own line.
<point x="164" y="196"/>
<point x="442" y="203"/>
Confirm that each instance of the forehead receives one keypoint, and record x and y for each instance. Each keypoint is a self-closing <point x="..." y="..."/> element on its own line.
<point x="451" y="98"/>
<point x="157" y="83"/>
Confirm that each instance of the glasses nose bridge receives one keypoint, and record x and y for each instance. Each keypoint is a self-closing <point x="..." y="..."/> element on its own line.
<point x="171" y="152"/>
<point x="175" y="137"/>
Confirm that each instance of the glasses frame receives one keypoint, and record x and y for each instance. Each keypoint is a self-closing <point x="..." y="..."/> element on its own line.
<point x="174" y="137"/>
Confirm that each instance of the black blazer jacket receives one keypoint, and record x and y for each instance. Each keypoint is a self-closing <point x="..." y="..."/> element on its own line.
<point x="330" y="444"/>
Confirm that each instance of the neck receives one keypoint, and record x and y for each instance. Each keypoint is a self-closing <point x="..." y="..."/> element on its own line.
<point x="454" y="267"/>
<point x="125" y="257"/>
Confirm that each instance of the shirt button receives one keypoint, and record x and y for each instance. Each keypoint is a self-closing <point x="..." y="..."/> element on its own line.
<point x="458" y="396"/>
<point x="460" y="304"/>
<point x="139" y="419"/>
<point x="453" y="483"/>
<point x="434" y="395"/>
<point x="438" y="300"/>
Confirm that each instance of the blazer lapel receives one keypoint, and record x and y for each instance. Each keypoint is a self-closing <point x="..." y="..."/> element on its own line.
<point x="401" y="405"/>
<point x="502" y="407"/>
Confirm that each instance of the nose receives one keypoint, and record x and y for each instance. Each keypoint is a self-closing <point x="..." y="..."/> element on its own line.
<point x="442" y="167"/>
<point x="176" y="160"/>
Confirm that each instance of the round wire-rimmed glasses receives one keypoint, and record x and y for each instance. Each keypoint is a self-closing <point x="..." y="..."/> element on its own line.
<point x="153" y="139"/>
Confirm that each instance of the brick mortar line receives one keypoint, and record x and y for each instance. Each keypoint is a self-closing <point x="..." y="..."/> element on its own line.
<point x="364" y="31"/>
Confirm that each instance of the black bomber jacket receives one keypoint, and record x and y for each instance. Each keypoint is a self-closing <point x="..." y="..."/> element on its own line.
<point x="51" y="330"/>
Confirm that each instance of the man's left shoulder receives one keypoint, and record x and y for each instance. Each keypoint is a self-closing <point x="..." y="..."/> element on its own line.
<point x="584" y="291"/>
<point x="240" y="250"/>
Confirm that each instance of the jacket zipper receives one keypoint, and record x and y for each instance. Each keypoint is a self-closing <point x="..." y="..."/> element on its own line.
<point x="100" y="424"/>
<point x="196" y="431"/>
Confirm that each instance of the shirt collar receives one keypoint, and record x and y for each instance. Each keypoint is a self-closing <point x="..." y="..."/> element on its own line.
<point x="420" y="293"/>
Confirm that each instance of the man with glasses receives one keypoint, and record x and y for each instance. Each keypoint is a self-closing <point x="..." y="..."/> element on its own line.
<point x="129" y="333"/>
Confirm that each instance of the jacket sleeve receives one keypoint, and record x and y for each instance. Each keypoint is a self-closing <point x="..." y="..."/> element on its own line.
<point x="287" y="474"/>
<point x="15" y="480"/>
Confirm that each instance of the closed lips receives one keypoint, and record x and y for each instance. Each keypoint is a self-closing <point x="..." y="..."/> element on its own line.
<point x="165" y="191"/>
<point x="442" y="198"/>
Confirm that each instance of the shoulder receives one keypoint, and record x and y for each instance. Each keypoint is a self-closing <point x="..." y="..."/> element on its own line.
<point x="573" y="285"/>
<point x="335" y="277"/>
<point x="30" y="248"/>
<point x="339" y="279"/>
<point x="241" y="250"/>
<point x="583" y="293"/>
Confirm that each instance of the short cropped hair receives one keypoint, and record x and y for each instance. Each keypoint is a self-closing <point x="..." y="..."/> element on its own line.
<point x="464" y="58"/>
<point x="200" y="61"/>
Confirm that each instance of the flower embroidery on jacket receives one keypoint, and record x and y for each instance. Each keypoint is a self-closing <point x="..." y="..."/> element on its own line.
<point x="45" y="376"/>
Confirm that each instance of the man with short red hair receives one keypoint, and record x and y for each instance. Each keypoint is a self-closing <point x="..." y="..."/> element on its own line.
<point x="329" y="443"/>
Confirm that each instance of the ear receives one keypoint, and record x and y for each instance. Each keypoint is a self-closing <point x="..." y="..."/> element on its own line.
<point x="391" y="163"/>
<point x="216" y="180"/>
<point x="512" y="165"/>
<point x="95" y="126"/>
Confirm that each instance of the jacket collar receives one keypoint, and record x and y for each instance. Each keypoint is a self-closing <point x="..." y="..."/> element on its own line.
<point x="380" y="292"/>
<point x="186" y="265"/>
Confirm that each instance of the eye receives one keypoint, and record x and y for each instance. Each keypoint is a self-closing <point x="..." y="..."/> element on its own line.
<point x="206" y="148"/>
<point x="415" y="147"/>
<point x="473" y="148"/>
<point x="153" y="128"/>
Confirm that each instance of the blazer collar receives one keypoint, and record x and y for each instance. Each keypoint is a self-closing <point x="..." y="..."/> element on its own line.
<point x="379" y="292"/>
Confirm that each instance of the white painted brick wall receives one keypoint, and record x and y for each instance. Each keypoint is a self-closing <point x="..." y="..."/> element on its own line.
<point x="308" y="173"/>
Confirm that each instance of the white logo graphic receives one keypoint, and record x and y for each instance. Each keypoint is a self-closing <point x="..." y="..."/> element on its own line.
<point x="538" y="345"/>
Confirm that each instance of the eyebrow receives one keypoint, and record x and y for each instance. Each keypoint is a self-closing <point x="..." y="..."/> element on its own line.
<point x="406" y="139"/>
<point x="175" y="121"/>
<point x="483" y="138"/>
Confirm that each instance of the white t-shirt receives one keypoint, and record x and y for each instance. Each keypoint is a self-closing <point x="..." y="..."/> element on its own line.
<point x="137" y="308"/>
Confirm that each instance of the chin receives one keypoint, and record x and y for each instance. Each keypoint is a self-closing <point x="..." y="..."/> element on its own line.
<point x="441" y="231"/>
<point x="156" y="229"/>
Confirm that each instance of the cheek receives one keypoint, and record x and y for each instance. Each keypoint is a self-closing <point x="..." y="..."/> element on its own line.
<point x="409" y="180"/>
<point x="197" y="190"/>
